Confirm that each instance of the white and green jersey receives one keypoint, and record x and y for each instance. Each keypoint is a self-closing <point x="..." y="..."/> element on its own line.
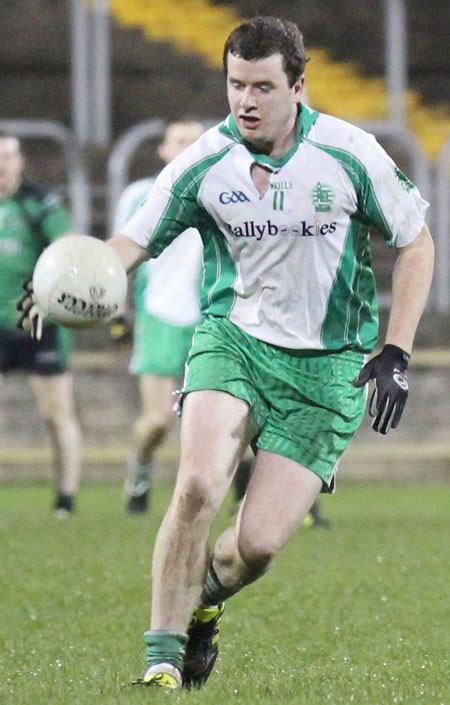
<point x="167" y="287"/>
<point x="291" y="268"/>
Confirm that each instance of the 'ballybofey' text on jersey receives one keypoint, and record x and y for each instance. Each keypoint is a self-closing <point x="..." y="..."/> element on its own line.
<point x="291" y="268"/>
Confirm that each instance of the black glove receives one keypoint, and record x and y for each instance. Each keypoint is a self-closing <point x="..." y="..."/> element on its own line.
<point x="388" y="370"/>
<point x="31" y="314"/>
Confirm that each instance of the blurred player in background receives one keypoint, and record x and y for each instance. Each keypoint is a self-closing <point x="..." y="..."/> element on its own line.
<point x="30" y="218"/>
<point x="166" y="313"/>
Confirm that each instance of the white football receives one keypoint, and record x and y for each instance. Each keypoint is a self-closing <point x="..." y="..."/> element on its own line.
<point x="80" y="281"/>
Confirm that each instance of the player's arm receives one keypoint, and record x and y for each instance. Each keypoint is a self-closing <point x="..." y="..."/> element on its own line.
<point x="411" y="283"/>
<point x="131" y="254"/>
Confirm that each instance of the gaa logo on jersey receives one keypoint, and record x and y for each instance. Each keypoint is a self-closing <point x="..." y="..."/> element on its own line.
<point x="322" y="197"/>
<point x="233" y="197"/>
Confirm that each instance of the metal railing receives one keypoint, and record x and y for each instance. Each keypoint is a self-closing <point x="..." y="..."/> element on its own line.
<point x="442" y="230"/>
<point x="78" y="183"/>
<point x="120" y="158"/>
<point x="91" y="71"/>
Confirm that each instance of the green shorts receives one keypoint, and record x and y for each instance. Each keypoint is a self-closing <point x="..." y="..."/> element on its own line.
<point x="302" y="400"/>
<point x="159" y="348"/>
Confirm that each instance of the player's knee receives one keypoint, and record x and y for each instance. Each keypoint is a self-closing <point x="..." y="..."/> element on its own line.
<point x="195" y="498"/>
<point x="154" y="424"/>
<point x="256" y="552"/>
<point x="50" y="415"/>
<point x="58" y="419"/>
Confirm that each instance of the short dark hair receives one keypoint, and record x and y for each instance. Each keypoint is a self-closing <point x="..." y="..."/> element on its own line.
<point x="264" y="36"/>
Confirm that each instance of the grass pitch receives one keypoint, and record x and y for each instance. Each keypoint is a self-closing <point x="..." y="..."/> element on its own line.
<point x="359" y="614"/>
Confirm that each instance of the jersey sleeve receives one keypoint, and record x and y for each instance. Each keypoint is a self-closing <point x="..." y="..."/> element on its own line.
<point x="56" y="219"/>
<point x="388" y="198"/>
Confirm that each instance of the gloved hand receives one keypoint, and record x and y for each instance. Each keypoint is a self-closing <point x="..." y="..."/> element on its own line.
<point x="31" y="314"/>
<point x="388" y="370"/>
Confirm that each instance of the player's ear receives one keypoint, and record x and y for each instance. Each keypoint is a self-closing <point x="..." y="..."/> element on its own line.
<point x="161" y="152"/>
<point x="20" y="161"/>
<point x="299" y="89"/>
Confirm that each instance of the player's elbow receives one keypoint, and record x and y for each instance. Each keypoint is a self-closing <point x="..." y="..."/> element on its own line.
<point x="130" y="253"/>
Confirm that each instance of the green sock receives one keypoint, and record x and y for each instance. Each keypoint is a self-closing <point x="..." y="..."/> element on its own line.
<point x="165" y="647"/>
<point x="213" y="590"/>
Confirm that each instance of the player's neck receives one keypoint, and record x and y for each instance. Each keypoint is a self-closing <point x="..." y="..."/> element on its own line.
<point x="282" y="143"/>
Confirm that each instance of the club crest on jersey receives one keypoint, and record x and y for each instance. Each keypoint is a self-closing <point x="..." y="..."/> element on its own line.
<point x="322" y="197"/>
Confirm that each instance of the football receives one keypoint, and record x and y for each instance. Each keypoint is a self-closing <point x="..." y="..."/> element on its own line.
<point x="79" y="281"/>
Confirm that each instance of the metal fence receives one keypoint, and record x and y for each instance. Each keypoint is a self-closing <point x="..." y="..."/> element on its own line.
<point x="442" y="230"/>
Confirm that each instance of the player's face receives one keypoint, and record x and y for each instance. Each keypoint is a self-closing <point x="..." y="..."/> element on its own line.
<point x="263" y="104"/>
<point x="179" y="136"/>
<point x="11" y="164"/>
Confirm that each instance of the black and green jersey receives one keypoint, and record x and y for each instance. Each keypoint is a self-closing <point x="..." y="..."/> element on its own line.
<point x="29" y="220"/>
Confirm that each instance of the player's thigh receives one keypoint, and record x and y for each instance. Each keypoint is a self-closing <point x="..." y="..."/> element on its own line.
<point x="54" y="395"/>
<point x="157" y="395"/>
<point x="215" y="429"/>
<point x="280" y="494"/>
<point x="314" y="408"/>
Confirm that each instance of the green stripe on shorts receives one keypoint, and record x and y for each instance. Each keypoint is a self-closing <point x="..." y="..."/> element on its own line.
<point x="303" y="401"/>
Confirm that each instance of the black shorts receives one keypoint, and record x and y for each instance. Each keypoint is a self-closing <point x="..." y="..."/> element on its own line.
<point x="47" y="356"/>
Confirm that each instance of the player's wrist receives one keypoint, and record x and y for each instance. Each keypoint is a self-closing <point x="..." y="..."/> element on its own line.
<point x="397" y="354"/>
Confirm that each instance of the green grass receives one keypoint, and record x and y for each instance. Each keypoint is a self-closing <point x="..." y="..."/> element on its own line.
<point x="359" y="614"/>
